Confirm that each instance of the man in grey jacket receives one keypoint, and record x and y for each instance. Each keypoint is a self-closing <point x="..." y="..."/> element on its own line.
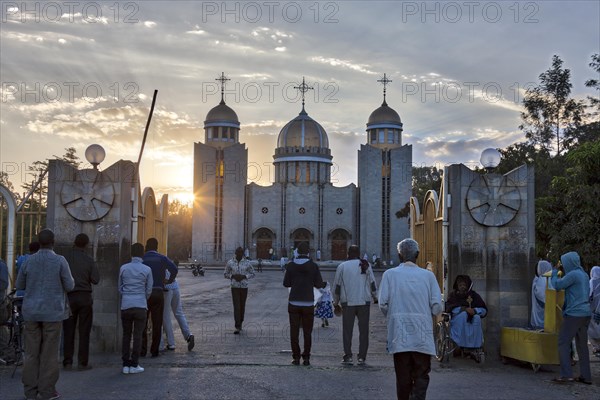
<point x="46" y="279"/>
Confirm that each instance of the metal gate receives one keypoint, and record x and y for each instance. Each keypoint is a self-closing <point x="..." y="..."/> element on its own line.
<point x="20" y="221"/>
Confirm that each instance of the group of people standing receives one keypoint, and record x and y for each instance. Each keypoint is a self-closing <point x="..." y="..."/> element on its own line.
<point x="56" y="293"/>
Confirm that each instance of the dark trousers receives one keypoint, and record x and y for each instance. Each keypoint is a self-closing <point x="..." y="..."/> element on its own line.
<point x="574" y="327"/>
<point x="82" y="313"/>
<point x="133" y="321"/>
<point x="349" y="313"/>
<point x="239" y="296"/>
<point x="305" y="317"/>
<point x="412" y="375"/>
<point x="156" y="305"/>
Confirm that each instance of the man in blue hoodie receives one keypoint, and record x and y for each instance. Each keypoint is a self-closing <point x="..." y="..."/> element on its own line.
<point x="576" y="318"/>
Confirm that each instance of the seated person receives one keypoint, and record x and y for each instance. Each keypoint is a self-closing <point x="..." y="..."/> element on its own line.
<point x="538" y="294"/>
<point x="467" y="308"/>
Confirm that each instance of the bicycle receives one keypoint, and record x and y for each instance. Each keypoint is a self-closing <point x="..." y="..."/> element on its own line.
<point x="444" y="345"/>
<point x="15" y="324"/>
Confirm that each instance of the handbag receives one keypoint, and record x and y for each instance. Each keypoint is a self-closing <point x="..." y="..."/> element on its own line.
<point x="337" y="310"/>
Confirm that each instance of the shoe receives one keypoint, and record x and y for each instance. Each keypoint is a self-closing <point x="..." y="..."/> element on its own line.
<point x="326" y="322"/>
<point x="323" y="325"/>
<point x="55" y="396"/>
<point x="84" y="367"/>
<point x="562" y="379"/>
<point x="296" y="361"/>
<point x="125" y="370"/>
<point x="361" y="361"/>
<point x="581" y="379"/>
<point x="306" y="361"/>
<point x="68" y="367"/>
<point x="136" y="370"/>
<point x="190" y="342"/>
<point x="154" y="355"/>
<point x="236" y="332"/>
<point x="170" y="348"/>
<point x="347" y="360"/>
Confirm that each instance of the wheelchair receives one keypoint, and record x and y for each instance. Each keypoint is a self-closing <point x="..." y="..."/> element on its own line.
<point x="444" y="345"/>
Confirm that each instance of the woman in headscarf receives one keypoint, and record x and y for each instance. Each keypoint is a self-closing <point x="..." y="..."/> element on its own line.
<point x="538" y="294"/>
<point x="594" y="328"/>
<point x="467" y="308"/>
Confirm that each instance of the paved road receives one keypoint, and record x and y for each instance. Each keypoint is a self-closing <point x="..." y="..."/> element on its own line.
<point x="256" y="364"/>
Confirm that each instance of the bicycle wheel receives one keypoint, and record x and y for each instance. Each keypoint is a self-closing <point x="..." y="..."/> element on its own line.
<point x="441" y="344"/>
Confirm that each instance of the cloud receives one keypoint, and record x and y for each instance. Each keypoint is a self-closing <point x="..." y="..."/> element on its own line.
<point x="149" y="24"/>
<point x="336" y="62"/>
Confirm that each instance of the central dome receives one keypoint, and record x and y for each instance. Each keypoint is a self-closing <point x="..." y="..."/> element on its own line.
<point x="222" y="113"/>
<point x="303" y="131"/>
<point x="384" y="115"/>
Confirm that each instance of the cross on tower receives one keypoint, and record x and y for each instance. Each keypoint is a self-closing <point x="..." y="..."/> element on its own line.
<point x="303" y="88"/>
<point x="222" y="79"/>
<point x="384" y="81"/>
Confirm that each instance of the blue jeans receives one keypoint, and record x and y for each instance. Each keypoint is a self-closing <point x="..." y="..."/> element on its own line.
<point x="173" y="305"/>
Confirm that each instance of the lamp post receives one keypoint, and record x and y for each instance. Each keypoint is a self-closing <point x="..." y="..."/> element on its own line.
<point x="490" y="158"/>
<point x="95" y="155"/>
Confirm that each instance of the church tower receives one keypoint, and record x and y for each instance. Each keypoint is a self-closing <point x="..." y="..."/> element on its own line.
<point x="384" y="182"/>
<point x="220" y="168"/>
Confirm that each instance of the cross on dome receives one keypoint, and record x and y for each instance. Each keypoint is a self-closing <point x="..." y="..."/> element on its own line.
<point x="223" y="80"/>
<point x="384" y="81"/>
<point x="303" y="88"/>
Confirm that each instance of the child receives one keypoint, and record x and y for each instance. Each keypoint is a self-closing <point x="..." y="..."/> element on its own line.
<point x="324" y="307"/>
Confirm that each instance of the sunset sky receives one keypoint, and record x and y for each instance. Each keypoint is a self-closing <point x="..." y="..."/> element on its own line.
<point x="74" y="74"/>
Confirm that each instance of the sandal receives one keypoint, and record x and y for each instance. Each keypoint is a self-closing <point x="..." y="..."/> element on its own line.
<point x="562" y="379"/>
<point x="581" y="379"/>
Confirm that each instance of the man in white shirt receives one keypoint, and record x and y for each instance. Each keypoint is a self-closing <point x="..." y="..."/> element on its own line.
<point x="354" y="288"/>
<point x="409" y="296"/>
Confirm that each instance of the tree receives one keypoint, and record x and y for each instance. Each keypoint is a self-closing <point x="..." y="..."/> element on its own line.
<point x="5" y="181"/>
<point x="595" y="83"/>
<point x="180" y="230"/>
<point x="545" y="166"/>
<point x="425" y="179"/>
<point x="551" y="117"/>
<point x="38" y="167"/>
<point x="568" y="219"/>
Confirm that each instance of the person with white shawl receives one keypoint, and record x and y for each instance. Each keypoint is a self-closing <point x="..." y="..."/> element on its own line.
<point x="594" y="327"/>
<point x="538" y="294"/>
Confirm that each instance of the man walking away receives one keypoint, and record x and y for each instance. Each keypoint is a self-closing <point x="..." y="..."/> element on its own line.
<point x="301" y="276"/>
<point x="46" y="279"/>
<point x="159" y="264"/>
<point x="85" y="273"/>
<point x="409" y="296"/>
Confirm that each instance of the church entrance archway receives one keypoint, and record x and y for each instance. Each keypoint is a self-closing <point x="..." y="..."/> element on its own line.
<point x="339" y="244"/>
<point x="301" y="235"/>
<point x="264" y="238"/>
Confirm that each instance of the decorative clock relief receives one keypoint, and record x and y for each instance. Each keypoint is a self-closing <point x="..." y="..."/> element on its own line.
<point x="89" y="197"/>
<point x="493" y="200"/>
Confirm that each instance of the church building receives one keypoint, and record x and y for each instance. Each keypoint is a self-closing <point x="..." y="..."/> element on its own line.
<point x="302" y="204"/>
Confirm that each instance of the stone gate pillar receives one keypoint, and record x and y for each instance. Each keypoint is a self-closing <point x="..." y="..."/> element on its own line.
<point x="491" y="238"/>
<point x="100" y="204"/>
